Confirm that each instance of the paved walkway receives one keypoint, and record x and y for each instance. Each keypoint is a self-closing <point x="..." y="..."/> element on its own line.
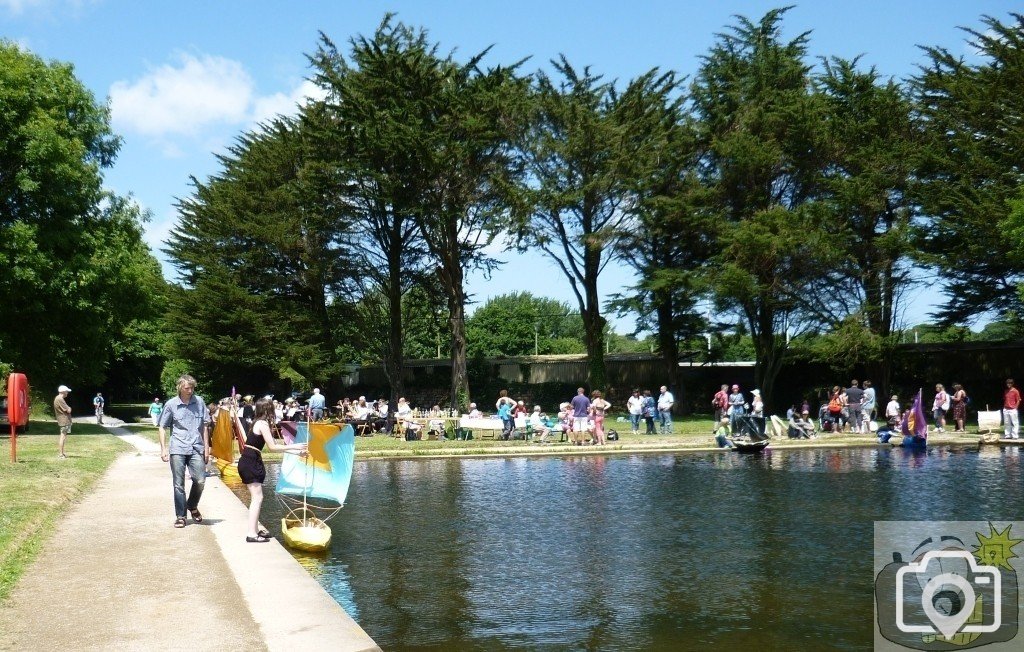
<point x="117" y="575"/>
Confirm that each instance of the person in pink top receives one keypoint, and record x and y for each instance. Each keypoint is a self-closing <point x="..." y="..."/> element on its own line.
<point x="598" y="406"/>
<point x="1011" y="401"/>
<point x="939" y="407"/>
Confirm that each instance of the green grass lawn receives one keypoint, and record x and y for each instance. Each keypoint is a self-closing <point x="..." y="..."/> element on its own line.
<point x="37" y="490"/>
<point x="684" y="430"/>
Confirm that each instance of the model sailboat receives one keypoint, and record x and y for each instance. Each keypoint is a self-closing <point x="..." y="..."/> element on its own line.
<point x="914" y="426"/>
<point x="227" y="432"/>
<point x="313" y="488"/>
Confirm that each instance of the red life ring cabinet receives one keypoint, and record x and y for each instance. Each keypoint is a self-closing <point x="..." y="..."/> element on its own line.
<point x="17" y="408"/>
<point x="17" y="399"/>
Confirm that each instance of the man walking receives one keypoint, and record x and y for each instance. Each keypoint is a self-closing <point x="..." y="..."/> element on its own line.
<point x="665" y="403"/>
<point x="187" y="417"/>
<point x="1011" y="401"/>
<point x="62" y="411"/>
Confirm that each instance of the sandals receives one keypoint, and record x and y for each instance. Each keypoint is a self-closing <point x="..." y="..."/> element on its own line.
<point x="196" y="516"/>
<point x="259" y="538"/>
<point x="179" y="522"/>
<point x="264" y="534"/>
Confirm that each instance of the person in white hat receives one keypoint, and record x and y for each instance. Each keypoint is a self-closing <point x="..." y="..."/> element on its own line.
<point x="756" y="404"/>
<point x="62" y="411"/>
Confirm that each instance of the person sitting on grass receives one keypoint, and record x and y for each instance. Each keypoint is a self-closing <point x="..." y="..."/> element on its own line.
<point x="801" y="426"/>
<point x="722" y="434"/>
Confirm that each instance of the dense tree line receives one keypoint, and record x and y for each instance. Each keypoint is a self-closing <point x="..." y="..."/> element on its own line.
<point x="82" y="294"/>
<point x="773" y="196"/>
<point x="773" y="201"/>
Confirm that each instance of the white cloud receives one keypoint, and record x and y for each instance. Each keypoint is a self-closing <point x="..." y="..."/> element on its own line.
<point x="18" y="6"/>
<point x="183" y="98"/>
<point x="269" y="106"/>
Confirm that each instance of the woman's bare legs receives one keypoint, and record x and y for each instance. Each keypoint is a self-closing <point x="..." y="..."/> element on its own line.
<point x="255" y="503"/>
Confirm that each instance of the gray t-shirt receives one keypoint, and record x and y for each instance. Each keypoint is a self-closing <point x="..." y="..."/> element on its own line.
<point x="854" y="396"/>
<point x="186" y="421"/>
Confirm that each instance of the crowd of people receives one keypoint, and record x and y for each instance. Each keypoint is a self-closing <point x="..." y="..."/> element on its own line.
<point x="856" y="410"/>
<point x="853" y="409"/>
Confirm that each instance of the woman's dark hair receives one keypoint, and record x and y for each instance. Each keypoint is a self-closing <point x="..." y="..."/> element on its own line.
<point x="264" y="409"/>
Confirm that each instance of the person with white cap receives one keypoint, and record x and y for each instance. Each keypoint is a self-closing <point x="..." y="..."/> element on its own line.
<point x="62" y="411"/>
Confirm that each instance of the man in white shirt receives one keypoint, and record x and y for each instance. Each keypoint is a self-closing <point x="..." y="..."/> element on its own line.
<point x="635" y="406"/>
<point x="540" y="430"/>
<point x="665" y="403"/>
<point x="892" y="411"/>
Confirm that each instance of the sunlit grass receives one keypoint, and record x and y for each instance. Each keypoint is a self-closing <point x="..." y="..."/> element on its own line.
<point x="37" y="490"/>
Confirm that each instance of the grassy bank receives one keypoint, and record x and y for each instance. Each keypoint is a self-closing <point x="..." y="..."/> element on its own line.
<point x="40" y="488"/>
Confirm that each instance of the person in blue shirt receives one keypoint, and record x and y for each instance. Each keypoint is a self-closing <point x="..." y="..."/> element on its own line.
<point x="317" y="402"/>
<point x="504" y="407"/>
<point x="187" y="417"/>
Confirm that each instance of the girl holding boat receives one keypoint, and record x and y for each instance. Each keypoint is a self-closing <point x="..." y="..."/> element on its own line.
<point x="251" y="468"/>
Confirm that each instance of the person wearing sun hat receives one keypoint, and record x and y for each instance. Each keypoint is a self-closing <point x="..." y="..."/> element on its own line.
<point x="756" y="403"/>
<point x="62" y="411"/>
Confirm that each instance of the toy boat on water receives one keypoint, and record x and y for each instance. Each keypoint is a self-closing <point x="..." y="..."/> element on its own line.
<point x="743" y="446"/>
<point x="313" y="488"/>
<point x="309" y="534"/>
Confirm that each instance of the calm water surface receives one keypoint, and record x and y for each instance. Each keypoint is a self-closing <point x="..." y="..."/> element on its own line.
<point x="644" y="552"/>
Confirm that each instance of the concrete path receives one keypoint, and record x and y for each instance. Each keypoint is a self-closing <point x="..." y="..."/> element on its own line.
<point x="117" y="575"/>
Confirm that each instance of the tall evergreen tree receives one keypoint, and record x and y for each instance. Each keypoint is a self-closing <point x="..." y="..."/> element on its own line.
<point x="971" y="114"/>
<point x="670" y="239"/>
<point x="582" y="155"/>
<point x="371" y="159"/>
<point x="760" y="126"/>
<point x="261" y="262"/>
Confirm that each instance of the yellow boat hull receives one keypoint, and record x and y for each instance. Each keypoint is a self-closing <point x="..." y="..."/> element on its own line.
<point x="228" y="470"/>
<point x="311" y="535"/>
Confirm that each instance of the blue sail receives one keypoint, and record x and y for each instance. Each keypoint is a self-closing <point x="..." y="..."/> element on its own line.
<point x="327" y="470"/>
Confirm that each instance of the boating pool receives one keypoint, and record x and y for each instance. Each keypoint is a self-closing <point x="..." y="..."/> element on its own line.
<point x="712" y="550"/>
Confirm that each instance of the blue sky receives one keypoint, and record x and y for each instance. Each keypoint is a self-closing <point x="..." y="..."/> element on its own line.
<point x="185" y="78"/>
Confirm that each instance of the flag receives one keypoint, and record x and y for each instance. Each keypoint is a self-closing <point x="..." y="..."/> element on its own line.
<point x="327" y="470"/>
<point x="914" y="423"/>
